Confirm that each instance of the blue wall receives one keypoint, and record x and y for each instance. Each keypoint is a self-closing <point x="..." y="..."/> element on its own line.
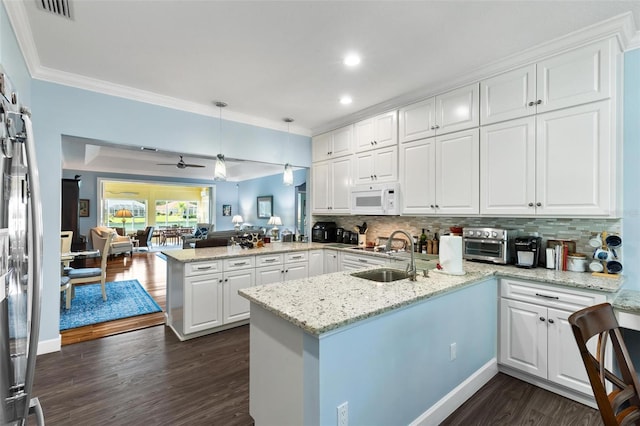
<point x="393" y="368"/>
<point x="631" y="209"/>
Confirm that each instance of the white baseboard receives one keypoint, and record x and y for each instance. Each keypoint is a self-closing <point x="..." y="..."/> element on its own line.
<point x="48" y="346"/>
<point x="454" y="399"/>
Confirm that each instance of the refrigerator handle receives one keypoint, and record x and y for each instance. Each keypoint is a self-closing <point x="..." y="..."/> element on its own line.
<point x="36" y="408"/>
<point x="35" y="256"/>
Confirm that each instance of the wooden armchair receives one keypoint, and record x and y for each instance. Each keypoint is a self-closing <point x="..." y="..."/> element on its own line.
<point x="119" y="244"/>
<point x="622" y="405"/>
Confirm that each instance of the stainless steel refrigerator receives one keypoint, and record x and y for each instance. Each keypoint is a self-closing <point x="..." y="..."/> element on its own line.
<point x="20" y="260"/>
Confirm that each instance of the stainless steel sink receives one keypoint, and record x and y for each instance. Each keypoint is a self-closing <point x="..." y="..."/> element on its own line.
<point x="382" y="275"/>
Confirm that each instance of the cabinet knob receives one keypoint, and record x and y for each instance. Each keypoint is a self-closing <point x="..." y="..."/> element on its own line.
<point x="286" y="270"/>
<point x="437" y="206"/>
<point x="433" y="127"/>
<point x="282" y="272"/>
<point x="550" y="321"/>
<point x="432" y="206"/>
<point x="371" y="142"/>
<point x="375" y="142"/>
<point x="539" y="101"/>
<point x="531" y="103"/>
<point x="436" y="126"/>
<point x="375" y="176"/>
<point x="226" y="279"/>
<point x="371" y="177"/>
<point x="542" y="319"/>
<point x="220" y="280"/>
<point x="530" y="204"/>
<point x="539" y="204"/>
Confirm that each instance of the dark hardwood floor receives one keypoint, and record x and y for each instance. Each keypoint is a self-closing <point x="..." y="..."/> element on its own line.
<point x="147" y="377"/>
<point x="151" y="272"/>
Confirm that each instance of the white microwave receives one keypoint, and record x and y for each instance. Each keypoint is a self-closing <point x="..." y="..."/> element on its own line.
<point x="375" y="199"/>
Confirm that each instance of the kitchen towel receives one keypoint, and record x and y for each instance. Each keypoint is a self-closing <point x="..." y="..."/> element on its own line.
<point x="451" y="255"/>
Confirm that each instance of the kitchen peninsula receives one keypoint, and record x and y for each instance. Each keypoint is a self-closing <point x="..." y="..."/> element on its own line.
<point x="395" y="353"/>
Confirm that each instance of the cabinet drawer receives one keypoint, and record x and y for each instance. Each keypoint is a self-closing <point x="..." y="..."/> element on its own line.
<point x="269" y="259"/>
<point x="549" y="295"/>
<point x="364" y="260"/>
<point x="201" y="268"/>
<point x="239" y="263"/>
<point x="296" y="256"/>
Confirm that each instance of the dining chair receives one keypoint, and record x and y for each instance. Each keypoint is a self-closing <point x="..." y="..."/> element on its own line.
<point x="621" y="406"/>
<point x="66" y="238"/>
<point x="90" y="275"/>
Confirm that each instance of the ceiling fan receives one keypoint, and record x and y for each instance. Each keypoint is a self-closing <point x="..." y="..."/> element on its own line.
<point x="180" y="164"/>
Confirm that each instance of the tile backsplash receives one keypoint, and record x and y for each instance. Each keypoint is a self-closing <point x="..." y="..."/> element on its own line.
<point x="578" y="230"/>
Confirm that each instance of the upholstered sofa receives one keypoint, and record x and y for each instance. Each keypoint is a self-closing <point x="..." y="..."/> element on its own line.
<point x="120" y="244"/>
<point x="219" y="235"/>
<point x="199" y="233"/>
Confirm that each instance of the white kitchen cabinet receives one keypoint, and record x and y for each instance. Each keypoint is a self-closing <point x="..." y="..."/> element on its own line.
<point x="458" y="173"/>
<point x="236" y="307"/>
<point x="417" y="121"/>
<point x="287" y="267"/>
<point x="316" y="262"/>
<point x="330" y="261"/>
<point x="202" y="302"/>
<point x="507" y="167"/>
<point x="331" y="183"/>
<point x="376" y="132"/>
<point x="296" y="265"/>
<point x="379" y="165"/>
<point x="441" y="175"/>
<point x="507" y="96"/>
<point x="269" y="274"/>
<point x="334" y="144"/>
<point x="418" y="176"/>
<point x="568" y="79"/>
<point x="575" y="162"/>
<point x="535" y="336"/>
<point x="556" y="164"/>
<point x="446" y="113"/>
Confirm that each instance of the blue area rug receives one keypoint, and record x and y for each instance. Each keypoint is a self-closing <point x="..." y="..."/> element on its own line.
<point x="124" y="299"/>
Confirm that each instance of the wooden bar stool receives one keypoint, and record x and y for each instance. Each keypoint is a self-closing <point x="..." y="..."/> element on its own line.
<point x="622" y="405"/>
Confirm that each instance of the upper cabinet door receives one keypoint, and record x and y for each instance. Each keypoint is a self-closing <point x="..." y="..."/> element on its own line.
<point x="417" y="121"/>
<point x="576" y="77"/>
<point x="418" y="176"/>
<point x="376" y="132"/>
<point x="321" y="147"/>
<point x="509" y="95"/>
<point x="342" y="141"/>
<point x="574" y="165"/>
<point x="458" y="109"/>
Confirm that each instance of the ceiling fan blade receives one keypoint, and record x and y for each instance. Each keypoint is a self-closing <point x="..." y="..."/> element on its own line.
<point x="194" y="165"/>
<point x="165" y="164"/>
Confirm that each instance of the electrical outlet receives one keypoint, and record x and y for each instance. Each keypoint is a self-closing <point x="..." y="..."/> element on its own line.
<point x="343" y="414"/>
<point x="453" y="350"/>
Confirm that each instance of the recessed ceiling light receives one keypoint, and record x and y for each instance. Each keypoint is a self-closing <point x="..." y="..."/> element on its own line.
<point x="351" y="60"/>
<point x="346" y="100"/>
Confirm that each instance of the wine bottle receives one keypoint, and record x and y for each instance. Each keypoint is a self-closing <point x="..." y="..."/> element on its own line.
<point x="423" y="242"/>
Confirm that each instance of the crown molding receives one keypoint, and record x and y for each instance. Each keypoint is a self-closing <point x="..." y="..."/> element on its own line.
<point x="621" y="26"/>
<point x="22" y="29"/>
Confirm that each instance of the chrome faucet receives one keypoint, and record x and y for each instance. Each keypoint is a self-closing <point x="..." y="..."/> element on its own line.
<point x="411" y="268"/>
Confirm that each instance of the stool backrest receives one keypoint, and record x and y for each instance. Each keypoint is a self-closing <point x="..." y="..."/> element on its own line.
<point x="622" y="404"/>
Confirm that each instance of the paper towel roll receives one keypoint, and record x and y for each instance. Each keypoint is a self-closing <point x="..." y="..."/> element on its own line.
<point x="451" y="255"/>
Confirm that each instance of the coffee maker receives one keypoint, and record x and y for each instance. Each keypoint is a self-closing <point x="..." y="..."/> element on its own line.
<point x="527" y="251"/>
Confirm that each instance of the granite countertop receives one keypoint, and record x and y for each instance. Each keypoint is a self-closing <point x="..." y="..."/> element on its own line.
<point x="326" y="302"/>
<point x="215" y="253"/>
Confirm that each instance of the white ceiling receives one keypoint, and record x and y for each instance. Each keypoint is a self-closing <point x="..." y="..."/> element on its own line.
<point x="275" y="59"/>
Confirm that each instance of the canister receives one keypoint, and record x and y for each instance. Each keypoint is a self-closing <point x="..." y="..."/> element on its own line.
<point x="577" y="262"/>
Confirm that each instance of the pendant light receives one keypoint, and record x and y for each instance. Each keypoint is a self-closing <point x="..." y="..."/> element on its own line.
<point x="220" y="171"/>
<point x="287" y="177"/>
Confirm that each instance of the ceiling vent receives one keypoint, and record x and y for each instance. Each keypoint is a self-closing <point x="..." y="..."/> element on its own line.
<point x="57" y="7"/>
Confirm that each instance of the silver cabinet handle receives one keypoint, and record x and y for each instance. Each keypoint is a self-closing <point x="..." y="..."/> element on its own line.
<point x="297" y="257"/>
<point x="203" y="268"/>
<point x="362" y="260"/>
<point x="270" y="260"/>
<point x="547" y="296"/>
<point x="240" y="263"/>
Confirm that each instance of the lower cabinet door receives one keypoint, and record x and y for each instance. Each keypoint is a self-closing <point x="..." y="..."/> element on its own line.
<point x="523" y="336"/>
<point x="269" y="274"/>
<point x="236" y="307"/>
<point x="565" y="364"/>
<point x="295" y="271"/>
<point x="203" y="302"/>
